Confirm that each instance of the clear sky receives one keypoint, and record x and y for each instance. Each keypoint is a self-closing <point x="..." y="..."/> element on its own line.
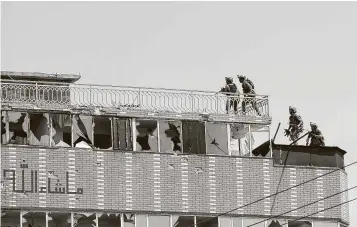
<point x="300" y="53"/>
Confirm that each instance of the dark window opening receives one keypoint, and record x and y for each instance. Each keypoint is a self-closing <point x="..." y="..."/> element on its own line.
<point x="82" y="131"/>
<point x="34" y="219"/>
<point x="18" y="128"/>
<point x="109" y="220"/>
<point x="207" y="221"/>
<point x="129" y="220"/>
<point x="193" y="134"/>
<point x="61" y="130"/>
<point x="84" y="220"/>
<point x="102" y="132"/>
<point x="3" y="127"/>
<point x="299" y="224"/>
<point x="58" y="219"/>
<point x="183" y="221"/>
<point x="39" y="133"/>
<point x="170" y="136"/>
<point x="122" y="134"/>
<point x="10" y="218"/>
<point x="146" y="135"/>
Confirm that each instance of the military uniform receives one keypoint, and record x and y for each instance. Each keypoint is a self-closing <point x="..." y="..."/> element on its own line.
<point x="249" y="92"/>
<point x="296" y="125"/>
<point x="231" y="90"/>
<point x="317" y="139"/>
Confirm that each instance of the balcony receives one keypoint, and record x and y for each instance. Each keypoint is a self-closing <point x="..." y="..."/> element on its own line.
<point x="132" y="101"/>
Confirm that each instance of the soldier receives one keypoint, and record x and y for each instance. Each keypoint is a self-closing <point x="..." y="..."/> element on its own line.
<point x="317" y="139"/>
<point x="248" y="91"/>
<point x="231" y="90"/>
<point x="296" y="125"/>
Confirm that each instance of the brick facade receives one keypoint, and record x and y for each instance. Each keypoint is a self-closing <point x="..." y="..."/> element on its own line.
<point x="149" y="182"/>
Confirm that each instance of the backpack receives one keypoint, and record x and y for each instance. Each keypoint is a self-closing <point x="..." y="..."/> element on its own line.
<point x="250" y="82"/>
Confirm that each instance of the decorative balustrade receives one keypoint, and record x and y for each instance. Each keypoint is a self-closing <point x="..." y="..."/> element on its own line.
<point x="128" y="98"/>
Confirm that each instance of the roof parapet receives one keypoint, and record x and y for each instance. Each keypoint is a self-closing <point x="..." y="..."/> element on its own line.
<point x="38" y="76"/>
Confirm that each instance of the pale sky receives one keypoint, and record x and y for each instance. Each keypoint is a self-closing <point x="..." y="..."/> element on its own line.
<point x="300" y="53"/>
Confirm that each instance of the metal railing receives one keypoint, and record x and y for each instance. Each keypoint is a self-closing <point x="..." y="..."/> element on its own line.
<point x="132" y="98"/>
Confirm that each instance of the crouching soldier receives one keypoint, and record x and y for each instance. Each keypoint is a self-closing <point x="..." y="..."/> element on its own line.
<point x="317" y="139"/>
<point x="296" y="125"/>
<point x="232" y="95"/>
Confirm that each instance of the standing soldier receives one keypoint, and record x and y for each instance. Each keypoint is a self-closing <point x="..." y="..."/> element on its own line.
<point x="231" y="90"/>
<point x="317" y="139"/>
<point x="249" y="94"/>
<point x="296" y="125"/>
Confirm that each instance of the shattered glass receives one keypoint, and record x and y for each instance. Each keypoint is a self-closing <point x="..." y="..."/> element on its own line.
<point x="39" y="133"/>
<point x="109" y="220"/>
<point x="146" y="135"/>
<point x="183" y="221"/>
<point x="216" y="138"/>
<point x="61" y="130"/>
<point x="58" y="219"/>
<point x="3" y="127"/>
<point x="170" y="136"/>
<point x="82" y="131"/>
<point x="18" y="127"/>
<point x="207" y="221"/>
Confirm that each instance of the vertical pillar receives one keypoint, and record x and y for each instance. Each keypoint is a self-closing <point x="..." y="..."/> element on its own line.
<point x="250" y="141"/>
<point x="72" y="220"/>
<point x="133" y="131"/>
<point x="46" y="219"/>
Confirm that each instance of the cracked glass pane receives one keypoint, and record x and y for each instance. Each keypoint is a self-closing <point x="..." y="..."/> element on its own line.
<point x="193" y="135"/>
<point x="18" y="127"/>
<point x="207" y="221"/>
<point x="61" y="130"/>
<point x="34" y="219"/>
<point x="122" y="134"/>
<point x="102" y="132"/>
<point x="299" y="224"/>
<point x="170" y="136"/>
<point x="129" y="220"/>
<point x="146" y="135"/>
<point x="261" y="134"/>
<point x="109" y="220"/>
<point x="159" y="221"/>
<point x="183" y="221"/>
<point x="3" y="127"/>
<point x="84" y="219"/>
<point x="58" y="219"/>
<point x="216" y="138"/>
<point x="39" y="133"/>
<point x="10" y="218"/>
<point x="82" y="131"/>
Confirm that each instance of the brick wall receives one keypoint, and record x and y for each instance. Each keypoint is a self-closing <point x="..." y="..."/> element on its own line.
<point x="144" y="182"/>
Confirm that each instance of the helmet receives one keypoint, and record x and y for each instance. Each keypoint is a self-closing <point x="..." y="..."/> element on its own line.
<point x="293" y="109"/>
<point x="312" y="124"/>
<point x="229" y="79"/>
<point x="241" y="77"/>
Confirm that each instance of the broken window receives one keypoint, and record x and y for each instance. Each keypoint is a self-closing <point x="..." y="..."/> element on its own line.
<point x="3" y="127"/>
<point x="141" y="220"/>
<point x="207" y="221"/>
<point x="261" y="134"/>
<point x="82" y="131"/>
<point x="34" y="219"/>
<point x="183" y="221"/>
<point x="277" y="223"/>
<point x="10" y="218"/>
<point x="129" y="220"/>
<point x="109" y="220"/>
<point x="216" y="138"/>
<point x="170" y="136"/>
<point x="84" y="219"/>
<point x="159" y="221"/>
<point x="18" y="127"/>
<point x="146" y="135"/>
<point x="39" y="133"/>
<point x="58" y="219"/>
<point x="240" y="140"/>
<point x="325" y="224"/>
<point x="299" y="224"/>
<point x="102" y="132"/>
<point x="193" y="134"/>
<point x="122" y="134"/>
<point x="61" y="130"/>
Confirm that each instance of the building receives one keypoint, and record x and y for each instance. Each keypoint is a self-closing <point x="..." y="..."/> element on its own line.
<point x="90" y="155"/>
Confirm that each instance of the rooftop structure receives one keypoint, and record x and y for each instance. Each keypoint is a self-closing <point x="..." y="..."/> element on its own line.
<point x="93" y="155"/>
